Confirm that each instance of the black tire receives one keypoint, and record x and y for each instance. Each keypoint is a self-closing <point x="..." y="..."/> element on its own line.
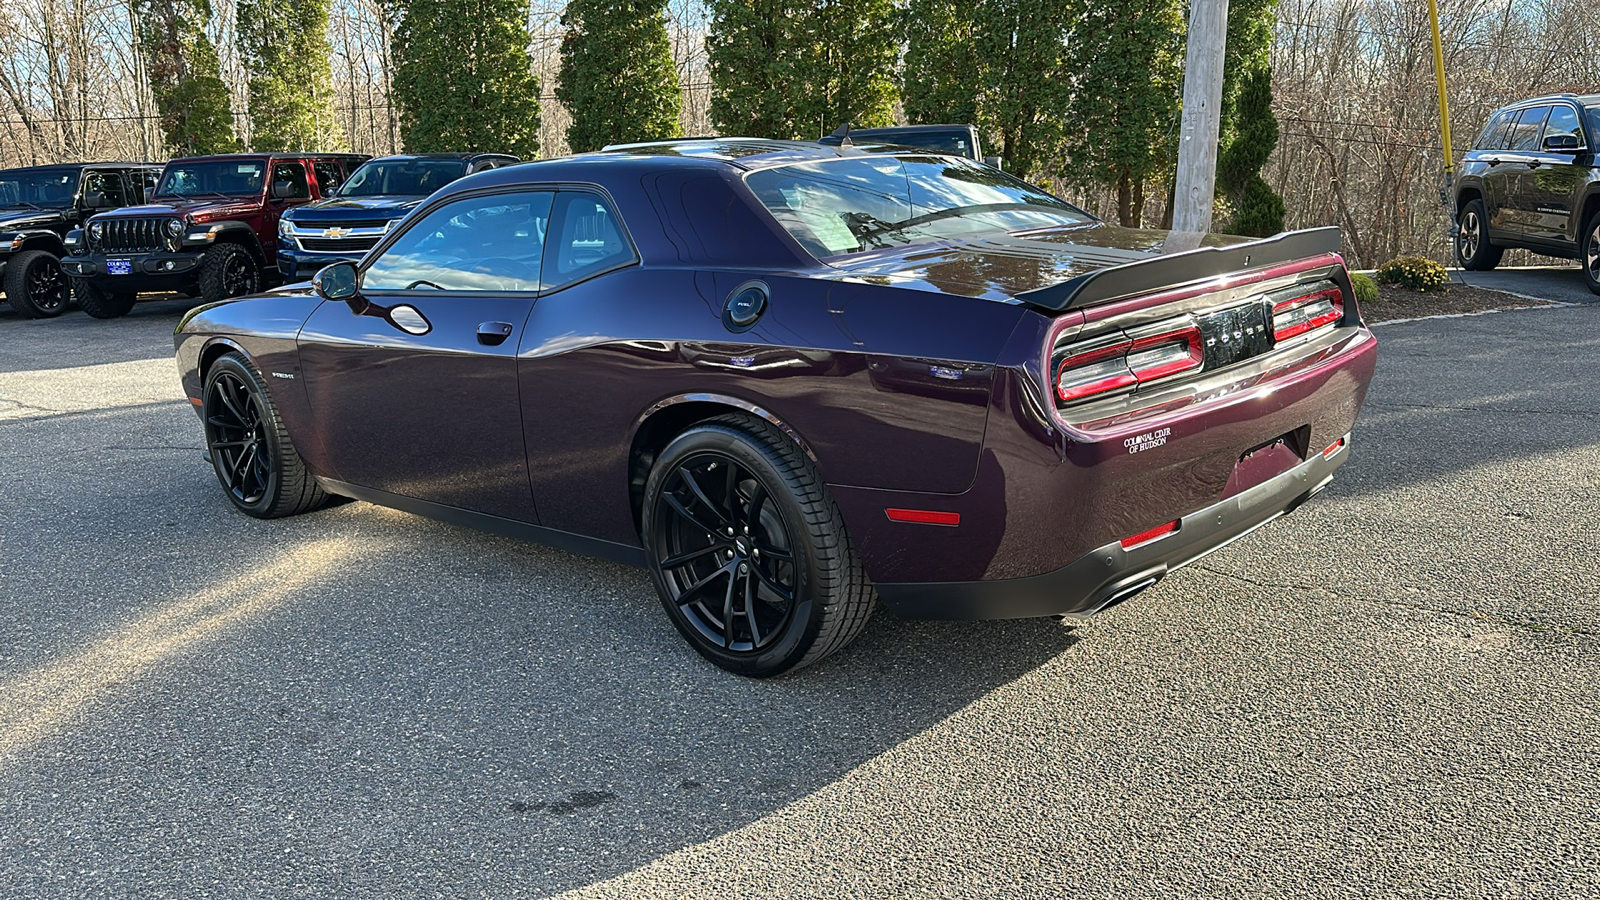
<point x="34" y="285"/>
<point x="227" y="271"/>
<point x="1473" y="250"/>
<point x="255" y="461"/>
<point x="1589" y="252"/>
<point x="100" y="303"/>
<point x="771" y="496"/>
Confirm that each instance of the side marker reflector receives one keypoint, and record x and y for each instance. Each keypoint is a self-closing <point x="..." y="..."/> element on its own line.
<point x="1154" y="534"/>
<point x="923" y="516"/>
<point x="196" y="401"/>
<point x="1333" y="449"/>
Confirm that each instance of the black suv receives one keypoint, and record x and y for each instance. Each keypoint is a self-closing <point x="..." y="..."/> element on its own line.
<point x="1532" y="180"/>
<point x="39" y="206"/>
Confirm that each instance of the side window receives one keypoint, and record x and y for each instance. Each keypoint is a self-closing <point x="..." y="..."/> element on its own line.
<point x="491" y="243"/>
<point x="292" y="176"/>
<point x="1525" y="134"/>
<point x="586" y="239"/>
<point x="1488" y="139"/>
<point x="329" y="175"/>
<point x="107" y="183"/>
<point x="1563" y="120"/>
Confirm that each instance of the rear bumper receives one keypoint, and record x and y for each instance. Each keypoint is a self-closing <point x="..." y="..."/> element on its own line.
<point x="1111" y="573"/>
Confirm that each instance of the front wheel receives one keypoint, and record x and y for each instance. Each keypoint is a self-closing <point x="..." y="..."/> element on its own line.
<point x="35" y="286"/>
<point x="1473" y="250"/>
<point x="256" y="463"/>
<point x="1591" y="252"/>
<point x="227" y="271"/>
<point x="748" y="551"/>
<point x="100" y="303"/>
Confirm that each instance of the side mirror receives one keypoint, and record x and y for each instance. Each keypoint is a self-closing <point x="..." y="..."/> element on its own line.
<point x="1562" y="143"/>
<point x="283" y="190"/>
<point x="338" y="282"/>
<point x="994" y="161"/>
<point x="96" y="200"/>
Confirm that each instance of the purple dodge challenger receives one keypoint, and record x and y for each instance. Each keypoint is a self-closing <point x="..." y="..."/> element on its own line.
<point x="794" y="379"/>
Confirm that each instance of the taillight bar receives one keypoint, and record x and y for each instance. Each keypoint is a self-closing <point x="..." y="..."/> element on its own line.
<point x="1128" y="362"/>
<point x="1299" y="315"/>
<point x="1147" y="537"/>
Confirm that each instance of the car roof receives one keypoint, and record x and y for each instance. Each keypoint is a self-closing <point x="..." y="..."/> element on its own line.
<point x="466" y="156"/>
<point x="86" y="165"/>
<point x="269" y="157"/>
<point x="1580" y="99"/>
<point x="750" y="153"/>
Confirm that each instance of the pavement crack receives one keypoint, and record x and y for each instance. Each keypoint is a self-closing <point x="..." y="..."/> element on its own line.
<point x="1531" y="625"/>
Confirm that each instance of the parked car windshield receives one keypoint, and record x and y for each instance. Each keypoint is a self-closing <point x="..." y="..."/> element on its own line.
<point x="413" y="177"/>
<point x="856" y="204"/>
<point x="224" y="177"/>
<point x="39" y="187"/>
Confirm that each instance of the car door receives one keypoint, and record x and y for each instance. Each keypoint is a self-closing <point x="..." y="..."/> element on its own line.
<point x="1510" y="180"/>
<point x="1554" y="180"/>
<point x="288" y="187"/>
<point x="413" y="384"/>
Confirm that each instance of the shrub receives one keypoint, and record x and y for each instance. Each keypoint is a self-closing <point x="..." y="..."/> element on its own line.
<point x="1414" y="273"/>
<point x="1366" y="289"/>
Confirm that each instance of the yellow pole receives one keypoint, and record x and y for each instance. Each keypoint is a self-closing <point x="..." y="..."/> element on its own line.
<point x="1444" y="99"/>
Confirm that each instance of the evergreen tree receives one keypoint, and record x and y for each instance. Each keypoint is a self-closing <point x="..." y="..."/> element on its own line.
<point x="618" y="78"/>
<point x="284" y="46"/>
<point x="942" y="66"/>
<point x="1125" y="107"/>
<point x="185" y="76"/>
<point x="462" y="77"/>
<point x="797" y="69"/>
<point x="1249" y="131"/>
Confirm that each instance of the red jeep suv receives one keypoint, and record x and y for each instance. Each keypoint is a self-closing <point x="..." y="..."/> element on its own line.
<point x="210" y="230"/>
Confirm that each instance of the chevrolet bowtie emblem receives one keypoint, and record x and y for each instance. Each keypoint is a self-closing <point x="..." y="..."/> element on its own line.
<point x="335" y="233"/>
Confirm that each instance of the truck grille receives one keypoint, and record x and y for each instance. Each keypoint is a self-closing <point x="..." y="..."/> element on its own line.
<point x="338" y="245"/>
<point x="131" y="235"/>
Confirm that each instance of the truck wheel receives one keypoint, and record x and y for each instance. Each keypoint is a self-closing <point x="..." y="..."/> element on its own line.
<point x="1590" y="245"/>
<point x="227" y="271"/>
<point x="749" y="552"/>
<point x="35" y="286"/>
<point x="100" y="303"/>
<point x="1473" y="250"/>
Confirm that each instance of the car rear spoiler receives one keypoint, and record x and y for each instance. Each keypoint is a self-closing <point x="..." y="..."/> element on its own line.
<point x="1176" y="269"/>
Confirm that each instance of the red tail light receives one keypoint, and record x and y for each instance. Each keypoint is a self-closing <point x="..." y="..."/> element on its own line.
<point x="1125" y="363"/>
<point x="1154" y="534"/>
<point x="1299" y="315"/>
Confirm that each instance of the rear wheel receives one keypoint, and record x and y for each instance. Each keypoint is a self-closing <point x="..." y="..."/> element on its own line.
<point x="748" y="551"/>
<point x="1591" y="252"/>
<point x="100" y="303"/>
<point x="256" y="463"/>
<point x="226" y="271"/>
<point x="1473" y="250"/>
<point x="35" y="286"/>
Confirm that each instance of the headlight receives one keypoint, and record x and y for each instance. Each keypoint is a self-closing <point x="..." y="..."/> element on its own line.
<point x="96" y="229"/>
<point x="174" y="227"/>
<point x="285" y="227"/>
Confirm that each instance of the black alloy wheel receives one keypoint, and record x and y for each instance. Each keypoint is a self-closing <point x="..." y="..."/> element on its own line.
<point x="747" y="550"/>
<point x="1590" y="245"/>
<point x="1473" y="250"/>
<point x="227" y="271"/>
<point x="255" y="462"/>
<point x="35" y="285"/>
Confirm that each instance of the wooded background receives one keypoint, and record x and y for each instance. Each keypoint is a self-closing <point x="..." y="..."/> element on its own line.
<point x="1351" y="85"/>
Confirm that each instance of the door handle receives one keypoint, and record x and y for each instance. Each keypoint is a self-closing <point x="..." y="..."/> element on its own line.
<point x="1534" y="164"/>
<point x="493" y="334"/>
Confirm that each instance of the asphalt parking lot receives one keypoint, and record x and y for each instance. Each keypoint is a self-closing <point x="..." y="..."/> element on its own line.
<point x="1393" y="692"/>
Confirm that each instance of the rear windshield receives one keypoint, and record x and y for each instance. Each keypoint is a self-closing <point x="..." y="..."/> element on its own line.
<point x="409" y="177"/>
<point x="38" y="187"/>
<point x="219" y="177"/>
<point x="856" y="204"/>
<point x="958" y="142"/>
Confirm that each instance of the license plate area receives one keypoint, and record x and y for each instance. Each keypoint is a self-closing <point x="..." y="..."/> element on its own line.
<point x="119" y="267"/>
<point x="1235" y="334"/>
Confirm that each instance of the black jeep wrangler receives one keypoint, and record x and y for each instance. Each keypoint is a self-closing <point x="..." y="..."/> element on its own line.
<point x="1532" y="180"/>
<point x="39" y="206"/>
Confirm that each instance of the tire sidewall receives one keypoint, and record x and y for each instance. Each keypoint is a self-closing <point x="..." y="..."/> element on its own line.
<point x="99" y="303"/>
<point x="1479" y="258"/>
<point x="16" y="284"/>
<point x="805" y="621"/>
<point x="1584" y="248"/>
<point x="236" y="365"/>
<point x="214" y="267"/>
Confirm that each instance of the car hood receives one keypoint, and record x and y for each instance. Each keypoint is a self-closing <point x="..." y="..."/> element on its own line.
<point x="1001" y="266"/>
<point x="18" y="219"/>
<point x="382" y="208"/>
<point x="199" y="209"/>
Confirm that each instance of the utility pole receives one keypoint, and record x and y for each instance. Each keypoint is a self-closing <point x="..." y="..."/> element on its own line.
<point x="1202" y="116"/>
<point x="1446" y="194"/>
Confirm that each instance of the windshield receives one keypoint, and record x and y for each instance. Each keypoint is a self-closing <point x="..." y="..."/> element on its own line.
<point x="222" y="177"/>
<point x="856" y="204"/>
<point x="410" y="177"/>
<point x="38" y="188"/>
